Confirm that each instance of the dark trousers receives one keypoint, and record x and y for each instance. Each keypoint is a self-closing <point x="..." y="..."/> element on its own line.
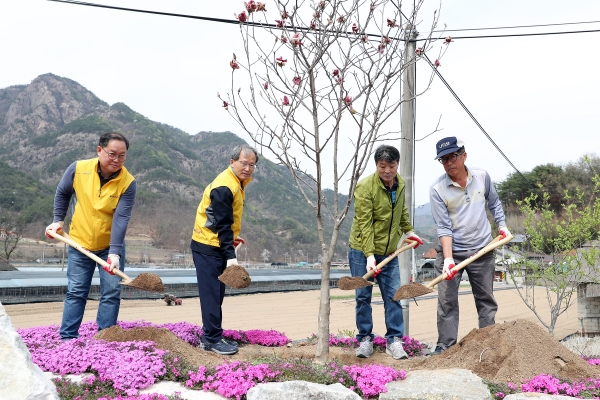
<point x="481" y="277"/>
<point x="211" y="291"/>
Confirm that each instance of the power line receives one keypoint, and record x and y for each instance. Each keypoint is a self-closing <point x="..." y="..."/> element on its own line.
<point x="236" y="22"/>
<point x="465" y="107"/>
<point x="514" y="34"/>
<point x="518" y="26"/>
<point x="473" y="117"/>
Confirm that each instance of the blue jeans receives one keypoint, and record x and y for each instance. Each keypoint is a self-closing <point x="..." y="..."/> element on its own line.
<point x="389" y="282"/>
<point x="80" y="271"/>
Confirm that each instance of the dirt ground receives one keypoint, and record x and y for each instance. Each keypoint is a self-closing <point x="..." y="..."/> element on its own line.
<point x="295" y="313"/>
<point x="516" y="348"/>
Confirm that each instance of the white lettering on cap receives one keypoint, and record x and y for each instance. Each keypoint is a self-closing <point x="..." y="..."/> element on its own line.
<point x="444" y="145"/>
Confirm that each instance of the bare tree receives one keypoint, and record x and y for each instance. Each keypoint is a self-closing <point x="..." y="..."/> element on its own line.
<point x="11" y="232"/>
<point x="323" y="81"/>
<point x="563" y="256"/>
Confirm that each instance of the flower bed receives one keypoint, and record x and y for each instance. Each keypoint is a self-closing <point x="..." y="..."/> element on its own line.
<point x="121" y="369"/>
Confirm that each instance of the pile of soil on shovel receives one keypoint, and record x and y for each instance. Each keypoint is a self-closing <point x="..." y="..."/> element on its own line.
<point x="411" y="290"/>
<point x="148" y="281"/>
<point x="236" y="276"/>
<point x="514" y="351"/>
<point x="352" y="282"/>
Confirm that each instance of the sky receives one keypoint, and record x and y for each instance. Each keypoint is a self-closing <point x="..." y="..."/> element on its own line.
<point x="535" y="96"/>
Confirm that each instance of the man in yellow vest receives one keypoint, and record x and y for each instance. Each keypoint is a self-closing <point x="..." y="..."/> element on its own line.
<point x="104" y="194"/>
<point x="215" y="236"/>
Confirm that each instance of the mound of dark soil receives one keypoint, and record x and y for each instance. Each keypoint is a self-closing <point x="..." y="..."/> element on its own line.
<point x="513" y="352"/>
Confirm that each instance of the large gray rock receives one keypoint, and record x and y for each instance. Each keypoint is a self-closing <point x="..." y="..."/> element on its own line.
<point x="300" y="390"/>
<point x="535" y="396"/>
<point x="20" y="378"/>
<point x="443" y="384"/>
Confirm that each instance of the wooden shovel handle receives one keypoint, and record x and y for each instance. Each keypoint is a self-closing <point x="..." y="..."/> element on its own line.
<point x="65" y="238"/>
<point x="410" y="244"/>
<point x="496" y="242"/>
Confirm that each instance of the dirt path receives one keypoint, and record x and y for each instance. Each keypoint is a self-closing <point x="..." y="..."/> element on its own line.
<point x="295" y="313"/>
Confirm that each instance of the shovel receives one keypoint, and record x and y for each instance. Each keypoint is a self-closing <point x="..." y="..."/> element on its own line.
<point x="416" y="289"/>
<point x="236" y="276"/>
<point x="144" y="281"/>
<point x="357" y="282"/>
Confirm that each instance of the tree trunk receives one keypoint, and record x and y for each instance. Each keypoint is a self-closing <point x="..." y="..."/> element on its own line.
<point x="322" y="354"/>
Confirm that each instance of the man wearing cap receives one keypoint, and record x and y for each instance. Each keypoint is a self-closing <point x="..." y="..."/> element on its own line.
<point x="458" y="201"/>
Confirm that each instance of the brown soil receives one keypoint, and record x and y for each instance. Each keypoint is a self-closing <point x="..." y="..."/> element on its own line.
<point x="236" y="277"/>
<point x="514" y="351"/>
<point x="411" y="290"/>
<point x="352" y="282"/>
<point x="147" y="281"/>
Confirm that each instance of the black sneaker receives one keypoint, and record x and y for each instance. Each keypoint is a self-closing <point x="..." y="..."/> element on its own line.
<point x="221" y="347"/>
<point x="438" y="350"/>
<point x="231" y="342"/>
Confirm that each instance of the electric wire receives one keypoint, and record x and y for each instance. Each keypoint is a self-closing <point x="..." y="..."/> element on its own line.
<point x="517" y="26"/>
<point x="236" y="22"/>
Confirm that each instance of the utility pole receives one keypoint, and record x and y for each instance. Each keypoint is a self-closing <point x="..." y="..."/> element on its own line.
<point x="407" y="154"/>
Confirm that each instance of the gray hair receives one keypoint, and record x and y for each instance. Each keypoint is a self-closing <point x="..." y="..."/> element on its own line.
<point x="235" y="154"/>
<point x="387" y="154"/>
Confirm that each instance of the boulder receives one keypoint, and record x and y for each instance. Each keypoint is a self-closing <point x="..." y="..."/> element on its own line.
<point x="20" y="378"/>
<point x="301" y="390"/>
<point x="443" y="384"/>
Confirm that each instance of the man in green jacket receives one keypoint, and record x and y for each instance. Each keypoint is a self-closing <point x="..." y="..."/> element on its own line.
<point x="380" y="219"/>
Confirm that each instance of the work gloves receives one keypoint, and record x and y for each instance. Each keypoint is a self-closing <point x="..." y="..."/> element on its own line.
<point x="413" y="236"/>
<point x="449" y="268"/>
<point x="56" y="227"/>
<point x="504" y="232"/>
<point x="232" y="261"/>
<point x="371" y="263"/>
<point x="113" y="262"/>
<point x="237" y="242"/>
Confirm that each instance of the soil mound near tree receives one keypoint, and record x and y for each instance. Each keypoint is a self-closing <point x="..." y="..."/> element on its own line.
<point x="514" y="351"/>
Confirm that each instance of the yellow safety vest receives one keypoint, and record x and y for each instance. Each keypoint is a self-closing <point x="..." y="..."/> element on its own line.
<point x="203" y="234"/>
<point x="92" y="219"/>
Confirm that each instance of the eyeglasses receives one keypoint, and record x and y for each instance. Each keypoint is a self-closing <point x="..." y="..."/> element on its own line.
<point x="246" y="165"/>
<point x="112" y="156"/>
<point x="451" y="158"/>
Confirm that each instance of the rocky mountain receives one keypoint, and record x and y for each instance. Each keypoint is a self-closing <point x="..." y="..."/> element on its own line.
<point x="46" y="125"/>
<point x="53" y="121"/>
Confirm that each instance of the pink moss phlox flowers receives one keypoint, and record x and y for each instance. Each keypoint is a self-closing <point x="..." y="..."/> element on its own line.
<point x="548" y="384"/>
<point x="412" y="346"/>
<point x="232" y="379"/>
<point x="371" y="379"/>
<point x="593" y="361"/>
<point x="152" y="396"/>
